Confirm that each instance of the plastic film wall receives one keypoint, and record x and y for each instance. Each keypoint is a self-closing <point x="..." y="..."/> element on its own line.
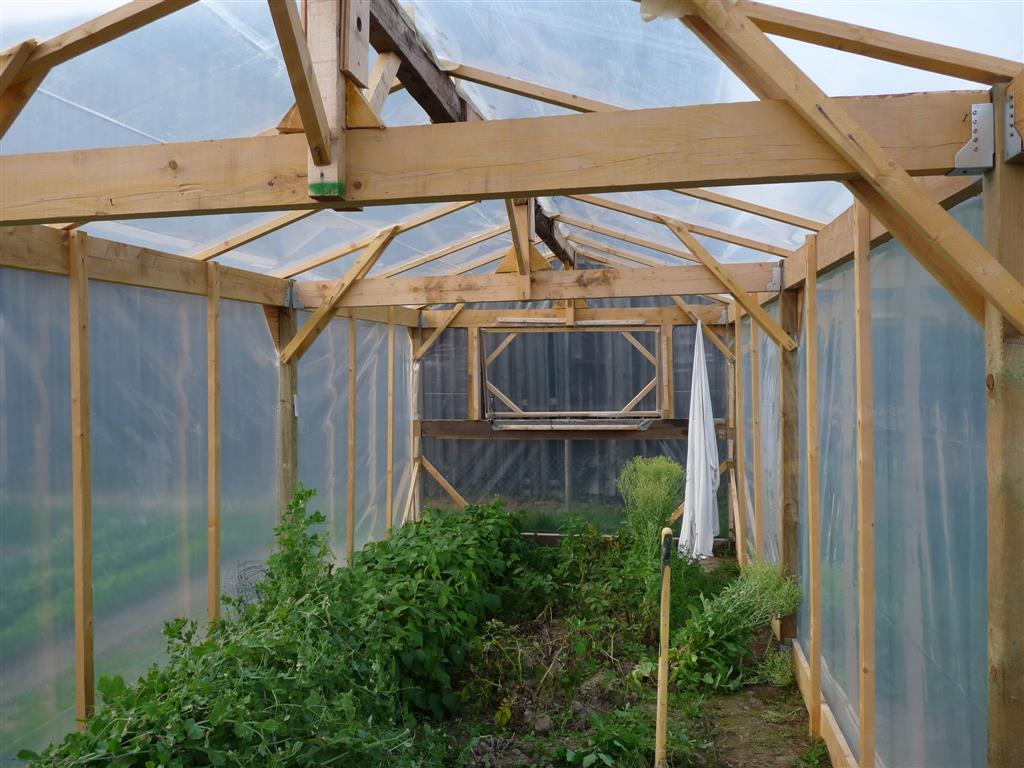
<point x="771" y="438"/>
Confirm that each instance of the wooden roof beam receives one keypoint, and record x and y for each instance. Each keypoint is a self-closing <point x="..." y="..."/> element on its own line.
<point x="254" y="233"/>
<point x="529" y="90"/>
<point x="621" y="253"/>
<point x="405" y="266"/>
<point x="714" y="234"/>
<point x="753" y="208"/>
<point x="625" y="237"/>
<point x="519" y="212"/>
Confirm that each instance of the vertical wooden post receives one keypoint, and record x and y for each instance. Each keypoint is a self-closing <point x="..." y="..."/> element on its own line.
<point x="730" y="428"/>
<point x="390" y="495"/>
<point x="416" y="335"/>
<point x="474" y="372"/>
<point x="789" y="434"/>
<point x="865" y="481"/>
<point x="327" y="37"/>
<point x="755" y="410"/>
<point x="213" y="440"/>
<point x="350" y="528"/>
<point x="81" y="476"/>
<point x="741" y="457"/>
<point x="1004" y="362"/>
<point x="287" y="412"/>
<point x="813" y="479"/>
<point x="668" y="364"/>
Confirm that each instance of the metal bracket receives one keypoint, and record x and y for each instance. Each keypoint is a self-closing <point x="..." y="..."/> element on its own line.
<point x="291" y="297"/>
<point x="1013" y="142"/>
<point x="978" y="154"/>
<point x="776" y="282"/>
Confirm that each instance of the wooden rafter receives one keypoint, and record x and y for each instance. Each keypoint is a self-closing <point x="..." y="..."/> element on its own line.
<point x="325" y="312"/>
<point x="254" y="233"/>
<point x="930" y="232"/>
<point x="748" y="302"/>
<point x="713" y="337"/>
<point x="758" y="210"/>
<point x="308" y="101"/>
<point x="621" y="253"/>
<point x="625" y="237"/>
<point x="529" y="90"/>
<point x="425" y="347"/>
<point x="429" y="163"/>
<point x="291" y="270"/>
<point x="714" y="234"/>
<point x="419" y="261"/>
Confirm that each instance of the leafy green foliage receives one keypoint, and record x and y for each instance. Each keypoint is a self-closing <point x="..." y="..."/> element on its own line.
<point x="815" y="757"/>
<point x="713" y="649"/>
<point x="328" y="666"/>
<point x="776" y="669"/>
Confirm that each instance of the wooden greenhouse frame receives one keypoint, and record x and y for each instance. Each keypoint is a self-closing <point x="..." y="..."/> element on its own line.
<point x="894" y="153"/>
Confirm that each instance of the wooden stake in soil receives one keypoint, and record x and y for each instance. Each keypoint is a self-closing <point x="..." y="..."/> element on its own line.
<point x="661" y="727"/>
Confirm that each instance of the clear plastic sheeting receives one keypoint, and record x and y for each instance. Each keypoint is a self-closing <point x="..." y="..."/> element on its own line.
<point x="444" y="376"/>
<point x="931" y="489"/>
<point x="248" y="443"/>
<point x="771" y="438"/>
<point x="37" y="650"/>
<point x="839" y="583"/>
<point x="148" y="394"/>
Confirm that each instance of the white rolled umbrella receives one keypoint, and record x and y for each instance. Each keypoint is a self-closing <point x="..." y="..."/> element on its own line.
<point x="700" y="505"/>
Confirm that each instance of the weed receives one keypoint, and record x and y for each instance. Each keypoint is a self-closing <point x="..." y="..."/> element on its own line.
<point x="815" y="757"/>
<point x="775" y="669"/>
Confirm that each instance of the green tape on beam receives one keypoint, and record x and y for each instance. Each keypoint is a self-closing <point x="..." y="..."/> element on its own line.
<point x="328" y="189"/>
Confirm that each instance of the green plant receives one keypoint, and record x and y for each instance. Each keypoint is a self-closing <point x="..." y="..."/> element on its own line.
<point x="714" y="647"/>
<point x="816" y="756"/>
<point x="775" y="669"/>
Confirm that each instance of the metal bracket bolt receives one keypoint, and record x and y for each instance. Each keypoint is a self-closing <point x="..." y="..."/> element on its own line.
<point x="978" y="154"/>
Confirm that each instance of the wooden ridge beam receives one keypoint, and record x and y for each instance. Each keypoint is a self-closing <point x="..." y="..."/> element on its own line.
<point x="697" y="229"/>
<point x="325" y="312"/>
<point x="418" y="220"/>
<point x="876" y="44"/>
<point x="571" y="154"/>
<point x="930" y="233"/>
<point x="550" y="284"/>
<point x="742" y="296"/>
<point x="254" y="233"/>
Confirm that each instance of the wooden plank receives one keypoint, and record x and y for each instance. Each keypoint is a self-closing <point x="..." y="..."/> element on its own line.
<point x="433" y="472"/>
<point x="287" y="412"/>
<point x="365" y="104"/>
<point x="325" y="311"/>
<point x="527" y="157"/>
<point x="699" y="314"/>
<point x="326" y="172"/>
<point x="500" y="348"/>
<point x="412" y="222"/>
<point x="425" y="347"/>
<point x="811" y="420"/>
<point x="1004" y="364"/>
<point x="253" y="233"/>
<point x="667" y="372"/>
<point x="355" y="41"/>
<point x="649" y="316"/>
<point x="411" y="495"/>
<point x="297" y="61"/>
<point x="935" y="236"/>
<point x="865" y="485"/>
<point x="641" y="348"/>
<point x="639" y="396"/>
<point x="419" y="261"/>
<point x="213" y="456"/>
<point x="755" y="410"/>
<point x="748" y="207"/>
<point x="740" y="442"/>
<point x="353" y="415"/>
<point x="789" y="449"/>
<point x="714" y="234"/>
<point x="743" y="298"/>
<point x="519" y="224"/>
<point x="886" y="46"/>
<point x="839" y="750"/>
<point x="81" y="478"/>
<point x="473" y="384"/>
<point x="503" y="397"/>
<point x="529" y="90"/>
<point x="389" y="505"/>
<point x="581" y="284"/>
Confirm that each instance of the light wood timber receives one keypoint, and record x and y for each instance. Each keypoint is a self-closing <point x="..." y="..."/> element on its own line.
<point x="418" y="220"/>
<point x="445" y="485"/>
<point x="1004" y="363"/>
<point x="254" y="233"/>
<point x="811" y="420"/>
<point x="650" y="316"/>
<point x="510" y="261"/>
<point x="355" y="41"/>
<point x="641" y="348"/>
<point x="308" y="101"/>
<point x="667" y="371"/>
<point x="483" y="261"/>
<point x="419" y="261"/>
<point x="365" y="104"/>
<point x="13" y="95"/>
<point x="473" y="374"/>
<point x="647" y="389"/>
<point x="865" y="484"/>
<point x="755" y="423"/>
<point x="503" y="397"/>
<point x="529" y="90"/>
<point x="617" y="151"/>
<point x="876" y="44"/>
<point x="625" y="237"/>
<point x="748" y="207"/>
<point x="741" y="459"/>
<point x="353" y="415"/>
<point x="743" y="298"/>
<point x="213" y="474"/>
<point x="389" y="505"/>
<point x="573" y="284"/>
<point x="81" y="477"/>
<point x="622" y="253"/>
<point x="714" y="234"/>
<point x="12" y="59"/>
<point x="739" y="518"/>
<point x="519" y="223"/>
<point x="287" y="416"/>
<point x="936" y="237"/>
<point x="411" y="495"/>
<point x="326" y="310"/>
<point x="500" y="348"/>
<point x="713" y="337"/>
<point x="326" y="172"/>
<point x="425" y="347"/>
<point x="789" y="449"/>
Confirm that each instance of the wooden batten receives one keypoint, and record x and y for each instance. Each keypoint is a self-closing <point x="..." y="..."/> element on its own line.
<point x="755" y="410"/>
<point x="287" y="410"/>
<point x="213" y="455"/>
<point x="350" y="518"/>
<point x="789" y="448"/>
<point x="811" y="420"/>
<point x="445" y="485"/>
<point x="741" y="452"/>
<point x="389" y="506"/>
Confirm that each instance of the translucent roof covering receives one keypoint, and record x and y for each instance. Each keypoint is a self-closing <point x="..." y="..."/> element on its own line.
<point x="214" y="70"/>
